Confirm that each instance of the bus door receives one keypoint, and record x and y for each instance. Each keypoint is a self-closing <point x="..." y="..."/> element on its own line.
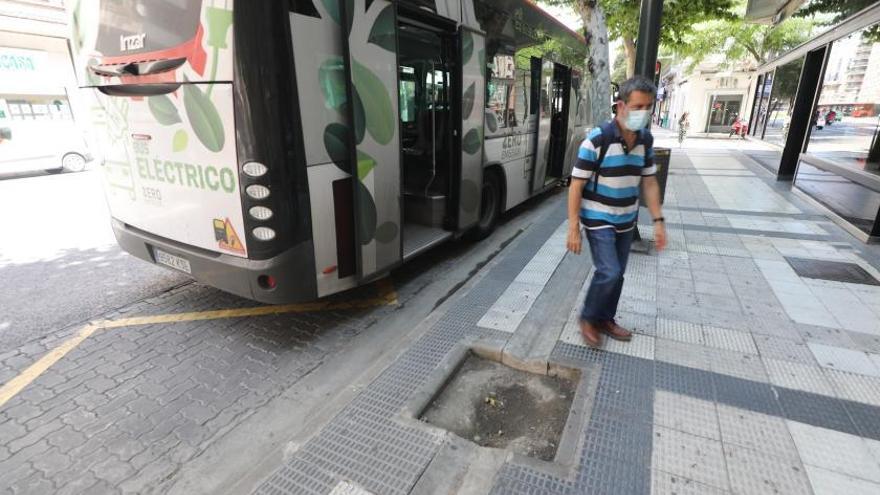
<point x="559" y="116"/>
<point x="430" y="102"/>
<point x="542" y="136"/>
<point x="471" y="130"/>
<point x="370" y="54"/>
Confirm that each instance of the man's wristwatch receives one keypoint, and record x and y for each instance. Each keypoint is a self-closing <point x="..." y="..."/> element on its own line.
<point x="659" y="219"/>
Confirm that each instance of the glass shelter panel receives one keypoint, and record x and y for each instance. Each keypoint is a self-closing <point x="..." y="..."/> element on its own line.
<point x="845" y="121"/>
<point x="781" y="101"/>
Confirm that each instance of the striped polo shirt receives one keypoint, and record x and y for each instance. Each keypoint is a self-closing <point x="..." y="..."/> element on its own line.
<point x="611" y="195"/>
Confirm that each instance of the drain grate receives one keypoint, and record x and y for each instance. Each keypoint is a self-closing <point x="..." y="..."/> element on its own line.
<point x="835" y="271"/>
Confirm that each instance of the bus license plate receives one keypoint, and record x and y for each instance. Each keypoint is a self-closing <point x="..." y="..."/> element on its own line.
<point x="175" y="262"/>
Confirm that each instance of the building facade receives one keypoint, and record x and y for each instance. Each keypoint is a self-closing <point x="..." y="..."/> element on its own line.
<point x="38" y="89"/>
<point x="712" y="94"/>
<point x="820" y="103"/>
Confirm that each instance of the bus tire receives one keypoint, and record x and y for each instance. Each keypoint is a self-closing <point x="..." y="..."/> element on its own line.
<point x="73" y="162"/>
<point x="490" y="208"/>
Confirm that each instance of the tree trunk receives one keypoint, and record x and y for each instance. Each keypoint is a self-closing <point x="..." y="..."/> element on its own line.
<point x="629" y="45"/>
<point x="598" y="80"/>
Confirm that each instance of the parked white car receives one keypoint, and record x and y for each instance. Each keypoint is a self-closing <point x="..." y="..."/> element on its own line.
<point x="53" y="147"/>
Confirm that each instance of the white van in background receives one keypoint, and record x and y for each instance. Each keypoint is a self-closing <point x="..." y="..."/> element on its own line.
<point x="38" y="132"/>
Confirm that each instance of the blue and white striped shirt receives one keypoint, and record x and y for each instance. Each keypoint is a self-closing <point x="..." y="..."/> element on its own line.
<point x="611" y="195"/>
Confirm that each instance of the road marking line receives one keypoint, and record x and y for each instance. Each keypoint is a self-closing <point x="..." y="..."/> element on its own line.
<point x="387" y="297"/>
<point x="14" y="386"/>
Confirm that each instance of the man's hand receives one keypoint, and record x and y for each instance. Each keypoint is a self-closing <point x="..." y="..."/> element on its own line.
<point x="574" y="240"/>
<point x="660" y="236"/>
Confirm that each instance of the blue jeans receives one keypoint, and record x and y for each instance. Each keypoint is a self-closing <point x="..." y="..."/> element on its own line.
<point x="610" y="252"/>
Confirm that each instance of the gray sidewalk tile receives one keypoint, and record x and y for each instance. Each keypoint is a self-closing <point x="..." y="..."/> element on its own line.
<point x="828" y="336"/>
<point x="840" y="359"/>
<point x="745" y="394"/>
<point x="755" y="472"/>
<point x="835" y="451"/>
<point x="825" y="482"/>
<point x="815" y="409"/>
<point x="683" y="354"/>
<point x="737" y="364"/>
<point x="687" y="414"/>
<point x="671" y="484"/>
<point x="799" y="376"/>
<point x="697" y="458"/>
<point x="784" y="350"/>
<point x="854" y="387"/>
<point x="756" y="431"/>
<point x="680" y="331"/>
<point x="685" y="381"/>
<point x="865" y="417"/>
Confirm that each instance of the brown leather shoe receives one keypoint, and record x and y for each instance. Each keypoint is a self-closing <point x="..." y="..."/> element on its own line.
<point x="590" y="334"/>
<point x="616" y="332"/>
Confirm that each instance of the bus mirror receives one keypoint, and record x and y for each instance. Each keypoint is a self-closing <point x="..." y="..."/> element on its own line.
<point x="5" y="133"/>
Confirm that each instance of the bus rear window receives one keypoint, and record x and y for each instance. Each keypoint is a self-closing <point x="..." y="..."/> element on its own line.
<point x="144" y="26"/>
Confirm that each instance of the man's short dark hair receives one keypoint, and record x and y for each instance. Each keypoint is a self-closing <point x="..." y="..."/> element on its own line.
<point x="638" y="83"/>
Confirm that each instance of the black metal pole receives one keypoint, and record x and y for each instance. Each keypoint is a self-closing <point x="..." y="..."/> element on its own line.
<point x="648" y="41"/>
<point x="647" y="45"/>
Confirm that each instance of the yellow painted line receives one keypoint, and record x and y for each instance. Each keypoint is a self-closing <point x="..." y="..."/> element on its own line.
<point x="11" y="388"/>
<point x="387" y="297"/>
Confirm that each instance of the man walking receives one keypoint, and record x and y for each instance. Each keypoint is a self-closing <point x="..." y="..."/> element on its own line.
<point x="613" y="162"/>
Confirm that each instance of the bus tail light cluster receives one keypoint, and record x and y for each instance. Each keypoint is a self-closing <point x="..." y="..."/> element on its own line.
<point x="259" y="192"/>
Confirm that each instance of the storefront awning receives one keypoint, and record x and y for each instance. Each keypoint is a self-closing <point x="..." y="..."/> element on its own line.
<point x="771" y="11"/>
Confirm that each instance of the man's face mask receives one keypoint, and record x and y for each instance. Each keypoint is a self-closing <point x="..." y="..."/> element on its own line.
<point x="637" y="119"/>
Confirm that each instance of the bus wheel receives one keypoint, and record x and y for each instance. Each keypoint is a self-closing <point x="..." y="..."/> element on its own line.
<point x="490" y="208"/>
<point x="73" y="162"/>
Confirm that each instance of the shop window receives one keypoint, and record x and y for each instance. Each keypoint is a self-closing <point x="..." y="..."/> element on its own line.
<point x="845" y="121"/>
<point x="40" y="108"/>
<point x="781" y="102"/>
<point x="763" y="105"/>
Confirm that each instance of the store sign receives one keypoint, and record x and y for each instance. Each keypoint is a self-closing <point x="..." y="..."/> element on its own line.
<point x="21" y="61"/>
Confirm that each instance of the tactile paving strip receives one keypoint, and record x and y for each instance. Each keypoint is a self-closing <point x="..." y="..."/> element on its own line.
<point x="364" y="444"/>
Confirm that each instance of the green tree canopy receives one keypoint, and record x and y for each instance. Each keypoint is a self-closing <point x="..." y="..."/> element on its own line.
<point x="833" y="11"/>
<point x="678" y="21"/>
<point x="740" y="41"/>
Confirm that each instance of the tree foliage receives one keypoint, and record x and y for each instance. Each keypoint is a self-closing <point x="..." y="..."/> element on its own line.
<point x="739" y="41"/>
<point x="619" y="74"/>
<point x="835" y="11"/>
<point x="677" y="23"/>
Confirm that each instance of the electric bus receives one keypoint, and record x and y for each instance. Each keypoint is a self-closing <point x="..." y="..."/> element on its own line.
<point x="285" y="151"/>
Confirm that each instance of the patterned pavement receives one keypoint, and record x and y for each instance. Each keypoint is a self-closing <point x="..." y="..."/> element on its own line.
<point x="744" y="377"/>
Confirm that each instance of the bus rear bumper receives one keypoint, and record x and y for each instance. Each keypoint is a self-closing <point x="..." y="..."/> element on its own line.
<point x="292" y="270"/>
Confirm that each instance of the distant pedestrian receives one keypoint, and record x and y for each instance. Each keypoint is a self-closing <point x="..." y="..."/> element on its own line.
<point x="614" y="162"/>
<point x="683" y="125"/>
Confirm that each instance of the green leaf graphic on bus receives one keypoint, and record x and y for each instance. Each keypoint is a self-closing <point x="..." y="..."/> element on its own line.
<point x="331" y="77"/>
<point x="360" y="118"/>
<point x="472" y="142"/>
<point x="380" y="118"/>
<point x="366" y="164"/>
<point x="467" y="48"/>
<point x="180" y="141"/>
<point x="366" y="210"/>
<point x="336" y="144"/>
<point x="387" y="232"/>
<point x="203" y="117"/>
<point x="163" y="110"/>
<point x="468" y="101"/>
<point x="383" y="32"/>
<point x="219" y="22"/>
<point x="492" y="122"/>
<point x="76" y="27"/>
<point x="332" y="7"/>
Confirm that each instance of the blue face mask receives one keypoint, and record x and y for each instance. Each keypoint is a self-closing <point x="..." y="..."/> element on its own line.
<point x="637" y="119"/>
